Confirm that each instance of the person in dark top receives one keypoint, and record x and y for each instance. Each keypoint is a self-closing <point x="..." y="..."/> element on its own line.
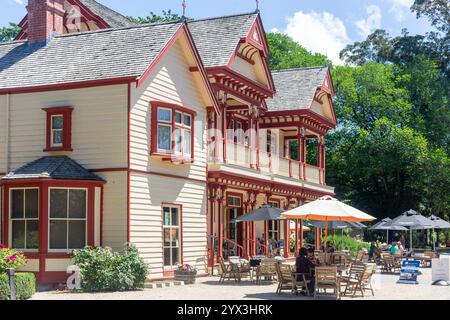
<point x="303" y="264"/>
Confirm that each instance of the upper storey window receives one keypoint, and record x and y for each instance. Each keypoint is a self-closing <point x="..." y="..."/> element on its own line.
<point x="173" y="130"/>
<point x="59" y="129"/>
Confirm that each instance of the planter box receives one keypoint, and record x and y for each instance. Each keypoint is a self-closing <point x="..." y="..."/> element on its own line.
<point x="187" y="276"/>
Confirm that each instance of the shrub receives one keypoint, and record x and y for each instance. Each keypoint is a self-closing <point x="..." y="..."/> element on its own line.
<point x="11" y="259"/>
<point x="25" y="284"/>
<point x="101" y="269"/>
<point x="348" y="243"/>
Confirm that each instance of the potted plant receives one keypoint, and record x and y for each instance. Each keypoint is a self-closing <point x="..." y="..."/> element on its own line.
<point x="186" y="273"/>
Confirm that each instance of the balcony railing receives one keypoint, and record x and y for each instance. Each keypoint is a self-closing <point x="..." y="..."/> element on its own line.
<point x="240" y="155"/>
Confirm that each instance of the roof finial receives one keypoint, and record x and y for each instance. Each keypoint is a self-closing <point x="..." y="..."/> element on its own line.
<point x="257" y="6"/>
<point x="183" y="17"/>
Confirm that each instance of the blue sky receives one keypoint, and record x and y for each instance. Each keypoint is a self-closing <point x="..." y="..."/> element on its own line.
<point x="320" y="25"/>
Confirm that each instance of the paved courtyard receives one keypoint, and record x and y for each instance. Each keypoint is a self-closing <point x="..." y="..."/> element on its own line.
<point x="208" y="288"/>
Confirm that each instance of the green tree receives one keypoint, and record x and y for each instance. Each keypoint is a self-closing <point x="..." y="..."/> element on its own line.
<point x="9" y="33"/>
<point x="437" y="11"/>
<point x="285" y="53"/>
<point x="166" y="16"/>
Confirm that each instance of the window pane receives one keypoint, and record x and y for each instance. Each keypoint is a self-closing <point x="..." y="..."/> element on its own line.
<point x="175" y="258"/>
<point x="187" y="142"/>
<point x="58" y="234"/>
<point x="17" y="204"/>
<point x="187" y="120"/>
<point x="177" y="138"/>
<point x="58" y="203"/>
<point x="166" y="216"/>
<point x="31" y="203"/>
<point x="77" y="234"/>
<point x="174" y="217"/>
<point x="32" y="234"/>
<point x="164" y="115"/>
<point x="167" y="237"/>
<point x="178" y="117"/>
<point x="57" y="137"/>
<point x="164" y="137"/>
<point x="175" y="237"/>
<point x="167" y="257"/>
<point x="77" y="204"/>
<point x="18" y="234"/>
<point x="57" y="122"/>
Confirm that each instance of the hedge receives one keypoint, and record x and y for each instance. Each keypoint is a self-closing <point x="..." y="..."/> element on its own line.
<point x="25" y="286"/>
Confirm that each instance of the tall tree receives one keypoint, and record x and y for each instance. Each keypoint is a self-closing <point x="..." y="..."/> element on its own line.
<point x="9" y="33"/>
<point x="437" y="11"/>
<point x="285" y="53"/>
<point x="166" y="16"/>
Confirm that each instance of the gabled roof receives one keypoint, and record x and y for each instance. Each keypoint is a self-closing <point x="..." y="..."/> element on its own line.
<point x="58" y="167"/>
<point x="98" y="55"/>
<point x="111" y="17"/>
<point x="217" y="38"/>
<point x="296" y="88"/>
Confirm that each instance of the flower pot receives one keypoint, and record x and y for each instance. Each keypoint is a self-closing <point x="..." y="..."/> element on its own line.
<point x="187" y="276"/>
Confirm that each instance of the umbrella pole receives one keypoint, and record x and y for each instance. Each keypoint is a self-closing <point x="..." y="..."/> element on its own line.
<point x="410" y="239"/>
<point x="387" y="237"/>
<point x="325" y="239"/>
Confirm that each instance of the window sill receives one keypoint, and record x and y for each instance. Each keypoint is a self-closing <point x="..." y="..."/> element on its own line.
<point x="58" y="149"/>
<point x="175" y="159"/>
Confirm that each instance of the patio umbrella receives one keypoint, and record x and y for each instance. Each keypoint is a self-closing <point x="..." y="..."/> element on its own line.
<point x="438" y="224"/>
<point x="265" y="213"/>
<point x="413" y="220"/>
<point x="337" y="224"/>
<point x="327" y="209"/>
<point x="382" y="226"/>
<point x="292" y="227"/>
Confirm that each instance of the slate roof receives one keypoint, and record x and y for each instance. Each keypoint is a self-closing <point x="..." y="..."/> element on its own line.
<point x="111" y="17"/>
<point x="296" y="87"/>
<point x="217" y="38"/>
<point x="58" y="167"/>
<point x="97" y="55"/>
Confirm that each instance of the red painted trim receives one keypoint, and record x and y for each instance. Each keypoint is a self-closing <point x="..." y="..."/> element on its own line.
<point x="68" y="86"/>
<point x="301" y="112"/>
<point x="66" y="112"/>
<point x="250" y="61"/>
<point x="129" y="163"/>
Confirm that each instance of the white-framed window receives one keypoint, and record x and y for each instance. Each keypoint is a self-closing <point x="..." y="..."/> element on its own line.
<point x="57" y="130"/>
<point x="171" y="235"/>
<point x="273" y="231"/>
<point x="183" y="133"/>
<point x="67" y="219"/>
<point x="24" y="219"/>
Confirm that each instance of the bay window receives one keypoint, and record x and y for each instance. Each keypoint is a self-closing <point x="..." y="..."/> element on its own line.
<point x="172" y="130"/>
<point x="24" y="215"/>
<point x="67" y="219"/>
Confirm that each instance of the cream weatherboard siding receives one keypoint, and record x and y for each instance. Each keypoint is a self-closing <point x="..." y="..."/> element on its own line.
<point x="170" y="82"/>
<point x="3" y="125"/>
<point x="99" y="125"/>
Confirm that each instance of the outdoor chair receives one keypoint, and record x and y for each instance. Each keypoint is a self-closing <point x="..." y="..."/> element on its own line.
<point x="227" y="271"/>
<point x="339" y="259"/>
<point x="326" y="279"/>
<point x="390" y="265"/>
<point x="287" y="279"/>
<point x="242" y="268"/>
<point x="359" y="279"/>
<point x="267" y="269"/>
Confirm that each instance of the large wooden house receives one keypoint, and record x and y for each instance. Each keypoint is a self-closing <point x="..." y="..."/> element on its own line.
<point x="159" y="135"/>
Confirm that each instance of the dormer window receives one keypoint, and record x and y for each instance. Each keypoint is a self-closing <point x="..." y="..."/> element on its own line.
<point x="173" y="131"/>
<point x="59" y="127"/>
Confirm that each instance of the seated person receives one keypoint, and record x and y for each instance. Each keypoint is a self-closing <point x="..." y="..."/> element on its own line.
<point x="304" y="265"/>
<point x="400" y="246"/>
<point x="394" y="248"/>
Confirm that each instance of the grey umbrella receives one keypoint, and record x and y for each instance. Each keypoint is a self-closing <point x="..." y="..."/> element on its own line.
<point x="382" y="226"/>
<point x="413" y="220"/>
<point x="438" y="224"/>
<point x="265" y="213"/>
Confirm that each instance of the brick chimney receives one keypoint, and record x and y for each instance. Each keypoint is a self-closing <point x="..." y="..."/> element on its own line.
<point x="45" y="18"/>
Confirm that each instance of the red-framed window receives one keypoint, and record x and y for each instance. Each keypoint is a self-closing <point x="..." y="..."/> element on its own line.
<point x="59" y="129"/>
<point x="172" y="130"/>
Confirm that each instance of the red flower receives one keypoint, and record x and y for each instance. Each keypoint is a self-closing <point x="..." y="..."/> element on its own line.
<point x="12" y="259"/>
<point x="2" y="246"/>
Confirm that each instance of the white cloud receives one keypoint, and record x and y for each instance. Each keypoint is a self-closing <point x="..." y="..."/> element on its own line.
<point x="19" y="2"/>
<point x="372" y="22"/>
<point x="401" y="8"/>
<point x="319" y="32"/>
